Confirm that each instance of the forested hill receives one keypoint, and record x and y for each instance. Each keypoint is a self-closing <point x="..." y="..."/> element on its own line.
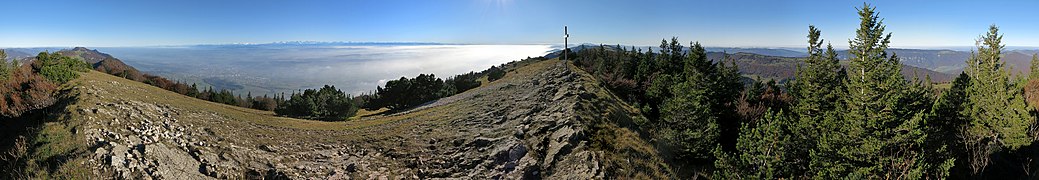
<point x="777" y="68"/>
<point x="951" y="61"/>
<point x="104" y="62"/>
<point x="783" y="68"/>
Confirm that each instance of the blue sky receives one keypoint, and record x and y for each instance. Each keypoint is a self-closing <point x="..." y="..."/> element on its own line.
<point x="740" y="23"/>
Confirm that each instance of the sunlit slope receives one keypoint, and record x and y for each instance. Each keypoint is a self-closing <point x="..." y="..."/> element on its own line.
<point x="543" y="119"/>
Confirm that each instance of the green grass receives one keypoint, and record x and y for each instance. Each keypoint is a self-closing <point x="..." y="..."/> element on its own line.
<point x="616" y="128"/>
<point x="57" y="150"/>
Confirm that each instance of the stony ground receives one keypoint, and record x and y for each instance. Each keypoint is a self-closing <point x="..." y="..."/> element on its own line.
<point x="524" y="126"/>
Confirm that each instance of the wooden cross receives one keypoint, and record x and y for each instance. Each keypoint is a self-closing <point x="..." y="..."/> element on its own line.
<point x="566" y="37"/>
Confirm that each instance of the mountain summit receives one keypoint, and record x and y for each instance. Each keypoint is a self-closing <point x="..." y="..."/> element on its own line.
<point x="544" y="120"/>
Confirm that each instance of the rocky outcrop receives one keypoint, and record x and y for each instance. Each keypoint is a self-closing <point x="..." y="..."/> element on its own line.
<point x="524" y="126"/>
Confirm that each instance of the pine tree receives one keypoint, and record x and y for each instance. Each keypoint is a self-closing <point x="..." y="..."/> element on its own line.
<point x="725" y="91"/>
<point x="688" y="125"/>
<point x="5" y="71"/>
<point x="944" y="128"/>
<point x="877" y="136"/>
<point x="1035" y="67"/>
<point x="997" y="113"/>
<point x="817" y="89"/>
<point x="760" y="152"/>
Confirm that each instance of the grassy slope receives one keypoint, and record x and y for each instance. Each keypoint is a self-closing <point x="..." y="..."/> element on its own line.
<point x="615" y="131"/>
<point x="53" y="149"/>
<point x="627" y="154"/>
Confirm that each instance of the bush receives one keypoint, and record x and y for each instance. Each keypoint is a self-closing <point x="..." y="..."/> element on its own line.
<point x="494" y="73"/>
<point x="58" y="68"/>
<point x="25" y="91"/>
<point x="264" y="103"/>
<point x="462" y="82"/>
<point x="405" y="93"/>
<point x="327" y="103"/>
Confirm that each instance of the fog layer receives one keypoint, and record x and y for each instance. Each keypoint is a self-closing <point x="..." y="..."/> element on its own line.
<point x="354" y="69"/>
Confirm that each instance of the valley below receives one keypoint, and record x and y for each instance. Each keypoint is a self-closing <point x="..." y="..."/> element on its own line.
<point x="282" y="68"/>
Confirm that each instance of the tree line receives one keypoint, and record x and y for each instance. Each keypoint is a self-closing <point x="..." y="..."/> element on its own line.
<point x="861" y="122"/>
<point x="406" y="93"/>
<point x="326" y="103"/>
<point x="331" y="104"/>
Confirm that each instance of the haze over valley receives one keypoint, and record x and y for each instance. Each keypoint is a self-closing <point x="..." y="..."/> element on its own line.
<point x="354" y="68"/>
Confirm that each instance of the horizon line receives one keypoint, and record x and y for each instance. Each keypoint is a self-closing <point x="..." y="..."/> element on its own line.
<point x="311" y="42"/>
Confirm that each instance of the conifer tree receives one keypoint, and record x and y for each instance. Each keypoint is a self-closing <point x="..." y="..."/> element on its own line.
<point x="944" y="126"/>
<point x="878" y="136"/>
<point x="697" y="100"/>
<point x="997" y="113"/>
<point x="817" y="90"/>
<point x="1035" y="67"/>
<point x="5" y="71"/>
<point x="761" y="151"/>
<point x="688" y="125"/>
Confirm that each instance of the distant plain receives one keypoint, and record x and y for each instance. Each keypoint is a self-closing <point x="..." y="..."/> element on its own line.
<point x="274" y="69"/>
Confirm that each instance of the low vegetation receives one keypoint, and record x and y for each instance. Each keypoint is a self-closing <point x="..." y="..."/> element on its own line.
<point x="494" y="73"/>
<point x="30" y="87"/>
<point x="31" y="142"/>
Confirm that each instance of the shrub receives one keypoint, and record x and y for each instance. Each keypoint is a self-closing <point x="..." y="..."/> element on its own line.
<point x="406" y="93"/>
<point x="25" y="91"/>
<point x="327" y="103"/>
<point x="494" y="73"/>
<point x="58" y="68"/>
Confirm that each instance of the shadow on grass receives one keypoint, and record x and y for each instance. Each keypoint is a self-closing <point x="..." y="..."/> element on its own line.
<point x="26" y="147"/>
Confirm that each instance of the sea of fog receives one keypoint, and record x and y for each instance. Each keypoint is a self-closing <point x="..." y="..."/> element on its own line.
<point x="353" y="69"/>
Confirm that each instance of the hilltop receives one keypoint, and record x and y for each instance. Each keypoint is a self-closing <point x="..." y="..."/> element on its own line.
<point x="544" y="119"/>
<point x="102" y="62"/>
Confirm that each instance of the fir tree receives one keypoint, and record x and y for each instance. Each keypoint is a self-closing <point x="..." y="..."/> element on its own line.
<point x="5" y="71"/>
<point x="761" y="151"/>
<point x="817" y="89"/>
<point x="1035" y="67"/>
<point x="944" y="127"/>
<point x="688" y="125"/>
<point x="997" y="113"/>
<point x="877" y="136"/>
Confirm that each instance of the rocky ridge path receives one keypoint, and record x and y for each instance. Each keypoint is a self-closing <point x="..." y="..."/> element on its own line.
<point x="524" y="126"/>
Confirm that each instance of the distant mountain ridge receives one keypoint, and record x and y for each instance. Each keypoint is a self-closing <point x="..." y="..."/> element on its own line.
<point x="784" y="52"/>
<point x="104" y="62"/>
<point x="953" y="62"/>
<point x="785" y="68"/>
<point x="937" y="60"/>
<point x="781" y="68"/>
<point x="774" y="63"/>
<point x="761" y="51"/>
